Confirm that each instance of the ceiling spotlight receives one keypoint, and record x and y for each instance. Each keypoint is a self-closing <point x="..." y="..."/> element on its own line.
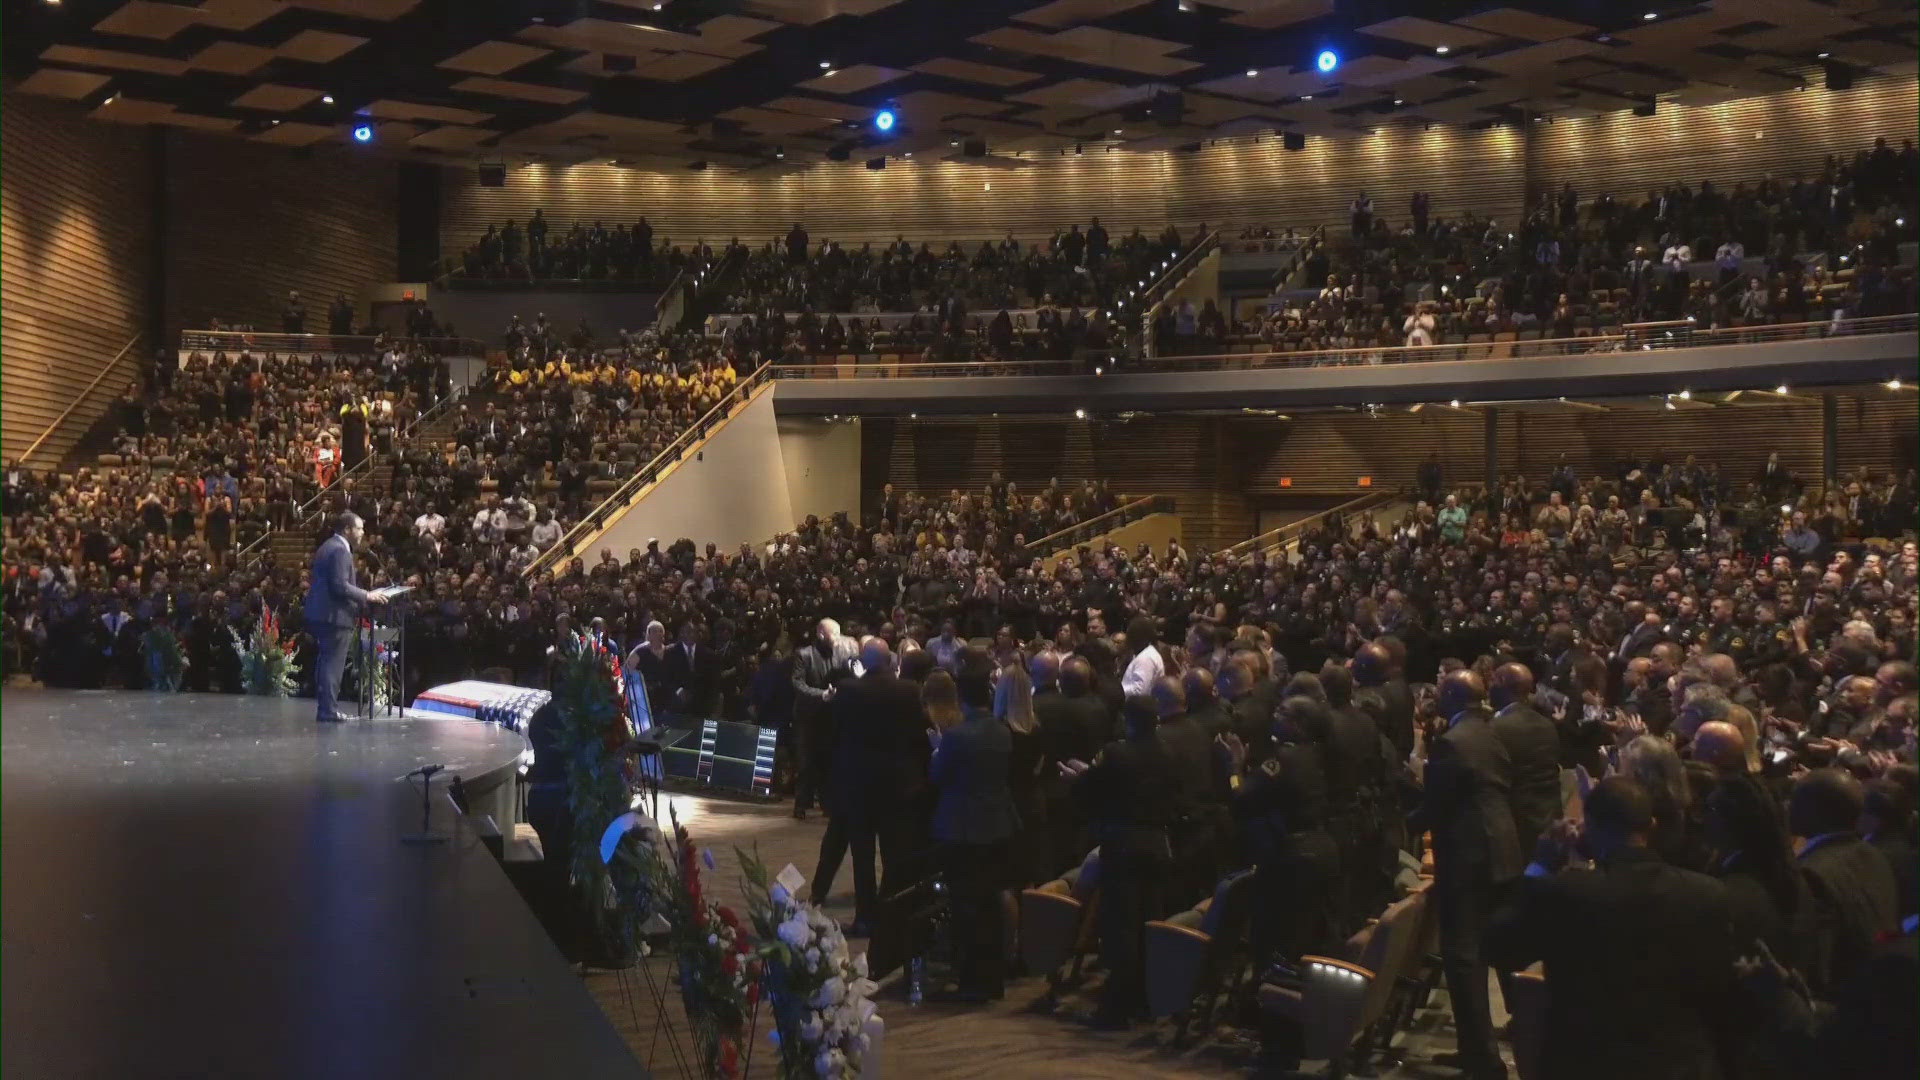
<point x="1781" y="389"/>
<point x="1116" y="131"/>
<point x="779" y="151"/>
<point x="1251" y="73"/>
<point x="1651" y="15"/>
<point x="1671" y="405"/>
<point x="363" y="133"/>
<point x="1686" y="395"/>
<point x="1079" y="414"/>
<point x="1825" y="55"/>
<point x="1306" y="97"/>
<point x="825" y="64"/>
<point x="1442" y="49"/>
<point x="884" y="120"/>
<point x="1399" y="101"/>
<point x="1893" y="384"/>
<point x="1326" y="61"/>
<point x="1455" y="403"/>
<point x="326" y="99"/>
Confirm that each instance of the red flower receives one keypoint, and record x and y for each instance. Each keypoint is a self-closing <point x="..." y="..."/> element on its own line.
<point x="753" y="994"/>
<point x="727" y="916"/>
<point x="730" y="964"/>
<point x="742" y="945"/>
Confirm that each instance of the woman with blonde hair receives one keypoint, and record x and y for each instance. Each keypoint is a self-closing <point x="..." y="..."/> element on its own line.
<point x="1026" y="849"/>
<point x="941" y="695"/>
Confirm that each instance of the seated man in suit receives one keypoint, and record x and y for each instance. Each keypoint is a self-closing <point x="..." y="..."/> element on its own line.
<point x="334" y="603"/>
<point x="1639" y="954"/>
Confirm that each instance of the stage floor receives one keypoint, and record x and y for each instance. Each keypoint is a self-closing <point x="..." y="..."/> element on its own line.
<point x="214" y="885"/>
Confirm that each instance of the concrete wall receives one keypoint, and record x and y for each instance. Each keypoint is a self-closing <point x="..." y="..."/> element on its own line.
<point x="822" y="463"/>
<point x="733" y="490"/>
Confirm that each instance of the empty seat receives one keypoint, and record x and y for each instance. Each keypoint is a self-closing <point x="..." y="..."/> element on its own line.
<point x="1339" y="998"/>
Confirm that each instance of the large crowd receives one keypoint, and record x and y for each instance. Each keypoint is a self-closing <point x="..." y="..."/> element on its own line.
<point x="582" y="251"/>
<point x="1804" y="249"/>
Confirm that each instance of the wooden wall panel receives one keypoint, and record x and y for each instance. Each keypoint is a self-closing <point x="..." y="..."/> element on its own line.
<point x="1240" y="181"/>
<point x="76" y="236"/>
<point x="1330" y="451"/>
<point x="246" y="223"/>
<point x="842" y="201"/>
<point x="1746" y="139"/>
<point x="1235" y="181"/>
<point x="1179" y="456"/>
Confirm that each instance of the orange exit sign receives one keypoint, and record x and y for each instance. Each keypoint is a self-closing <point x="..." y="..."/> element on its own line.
<point x="1366" y="481"/>
<point x="1286" y="481"/>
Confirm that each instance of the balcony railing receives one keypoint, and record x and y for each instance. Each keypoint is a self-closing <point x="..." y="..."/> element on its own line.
<point x="258" y="341"/>
<point x="1504" y="346"/>
<point x="1294" y="530"/>
<point x="1083" y="531"/>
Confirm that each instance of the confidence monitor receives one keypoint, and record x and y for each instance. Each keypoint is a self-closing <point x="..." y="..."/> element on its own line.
<point x="493" y="176"/>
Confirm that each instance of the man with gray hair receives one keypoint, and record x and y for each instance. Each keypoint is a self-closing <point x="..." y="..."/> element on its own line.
<point x="816" y="669"/>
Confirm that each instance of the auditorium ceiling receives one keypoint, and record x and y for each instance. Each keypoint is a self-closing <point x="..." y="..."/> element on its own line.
<point x="781" y="84"/>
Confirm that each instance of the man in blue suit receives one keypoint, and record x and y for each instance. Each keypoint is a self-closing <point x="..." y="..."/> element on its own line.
<point x="334" y="603"/>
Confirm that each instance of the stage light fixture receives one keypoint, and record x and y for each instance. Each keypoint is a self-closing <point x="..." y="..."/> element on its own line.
<point x="884" y="120"/>
<point x="1327" y="60"/>
<point x="326" y="99"/>
<point x="363" y="133"/>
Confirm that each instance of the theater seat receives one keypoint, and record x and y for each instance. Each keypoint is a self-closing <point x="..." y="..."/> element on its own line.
<point x="1190" y="957"/>
<point x="1053" y="924"/>
<point x="1526" y="997"/>
<point x="1339" y="998"/>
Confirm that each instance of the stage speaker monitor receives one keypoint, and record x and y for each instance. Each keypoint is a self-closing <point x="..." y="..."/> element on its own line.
<point x="493" y="176"/>
<point x="1649" y="109"/>
<point x="1839" y="75"/>
<point x="1293" y="140"/>
<point x="876" y="164"/>
<point x="839" y="152"/>
<point x="974" y="148"/>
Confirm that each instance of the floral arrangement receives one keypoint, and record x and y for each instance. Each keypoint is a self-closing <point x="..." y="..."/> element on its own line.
<point x="821" y="997"/>
<point x="719" y="968"/>
<point x="592" y="737"/>
<point x="166" y="658"/>
<point x="266" y="658"/>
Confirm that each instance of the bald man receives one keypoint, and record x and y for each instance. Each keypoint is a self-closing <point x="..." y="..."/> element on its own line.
<point x="879" y="752"/>
<point x="1533" y="746"/>
<point x="1467" y="804"/>
<point x="1203" y="702"/>
<point x="1719" y="743"/>
<point x="1385" y="694"/>
<point x="1198" y="811"/>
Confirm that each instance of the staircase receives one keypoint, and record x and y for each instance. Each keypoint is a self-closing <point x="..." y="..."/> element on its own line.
<point x="292" y="547"/>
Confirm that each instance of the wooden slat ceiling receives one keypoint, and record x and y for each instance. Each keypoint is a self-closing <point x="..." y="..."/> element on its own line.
<point x="1036" y="74"/>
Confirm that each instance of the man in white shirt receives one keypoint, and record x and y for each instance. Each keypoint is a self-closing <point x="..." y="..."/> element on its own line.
<point x="1147" y="664"/>
<point x="430" y="524"/>
<point x="1678" y="255"/>
<point x="545" y="532"/>
<point x="490" y="524"/>
<point x="1419" y="325"/>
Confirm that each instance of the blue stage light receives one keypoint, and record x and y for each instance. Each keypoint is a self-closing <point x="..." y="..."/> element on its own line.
<point x="884" y="120"/>
<point x="363" y="133"/>
<point x="1327" y="60"/>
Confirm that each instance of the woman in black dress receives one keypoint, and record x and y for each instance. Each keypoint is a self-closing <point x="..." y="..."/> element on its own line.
<point x="648" y="660"/>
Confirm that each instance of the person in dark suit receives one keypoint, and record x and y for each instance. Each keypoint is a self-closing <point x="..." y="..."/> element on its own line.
<point x="334" y="603"/>
<point x="1533" y="746"/>
<point x="692" y="673"/>
<point x="972" y="822"/>
<point x="1390" y="697"/>
<point x="1467" y="804"/>
<point x="1638" y="954"/>
<point x="1127" y="795"/>
<point x="1357" y="760"/>
<point x="1203" y="702"/>
<point x="878" y="724"/>
<point x="1073" y="727"/>
<point x="816" y="670"/>
<point x="1280" y="804"/>
<point x="1197" y="825"/>
<point x="1767" y="898"/>
<point x="1888" y="825"/>
<point x="1855" y="897"/>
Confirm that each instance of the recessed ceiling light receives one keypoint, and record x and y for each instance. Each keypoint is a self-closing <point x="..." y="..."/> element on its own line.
<point x="1443" y="49"/>
<point x="1893" y="384"/>
<point x="1251" y="73"/>
<point x="1308" y="97"/>
<point x="1781" y="389"/>
<point x="1686" y="395"/>
<point x="1116" y="131"/>
<point x="1399" y="101"/>
<point x="824" y="64"/>
<point x="326" y="99"/>
<point x="1651" y="15"/>
<point x="1825" y="55"/>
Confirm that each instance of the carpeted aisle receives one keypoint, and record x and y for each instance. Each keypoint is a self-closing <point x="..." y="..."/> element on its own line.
<point x="1009" y="1040"/>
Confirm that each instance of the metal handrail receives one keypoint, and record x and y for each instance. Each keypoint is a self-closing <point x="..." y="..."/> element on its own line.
<point x="1407" y="354"/>
<point x="225" y="340"/>
<point x="306" y="512"/>
<point x="1124" y="514"/>
<point x="1292" y="530"/>
<point x="1156" y="292"/>
<point x="75" y="403"/>
<point x="563" y="548"/>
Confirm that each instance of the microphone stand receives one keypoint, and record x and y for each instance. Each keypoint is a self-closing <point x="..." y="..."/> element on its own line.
<point x="426" y="836"/>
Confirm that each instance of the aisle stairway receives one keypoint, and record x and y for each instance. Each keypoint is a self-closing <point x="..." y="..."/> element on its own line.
<point x="292" y="547"/>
